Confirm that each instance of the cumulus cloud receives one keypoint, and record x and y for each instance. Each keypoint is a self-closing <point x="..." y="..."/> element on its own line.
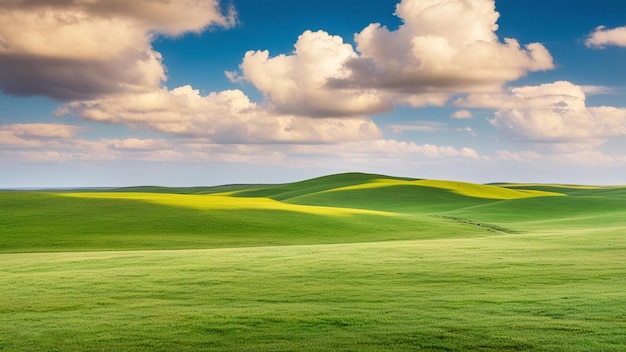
<point x="224" y="117"/>
<point x="602" y="37"/>
<point x="76" y="49"/>
<point x="98" y="55"/>
<point x="442" y="48"/>
<point x="296" y="84"/>
<point x="554" y="113"/>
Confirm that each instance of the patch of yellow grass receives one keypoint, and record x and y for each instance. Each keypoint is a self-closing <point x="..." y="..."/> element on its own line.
<point x="222" y="202"/>
<point x="463" y="188"/>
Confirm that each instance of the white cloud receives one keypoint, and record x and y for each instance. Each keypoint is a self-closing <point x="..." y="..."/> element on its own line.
<point x="77" y="49"/>
<point x="602" y="37"/>
<point x="33" y="135"/>
<point x="51" y="143"/>
<point x="462" y="114"/>
<point x="442" y="48"/>
<point x="554" y="113"/>
<point x="10" y="139"/>
<point x="40" y="130"/>
<point x="224" y="117"/>
<point x="40" y="142"/>
<point x="296" y="84"/>
<point x="397" y="157"/>
<point x="318" y="94"/>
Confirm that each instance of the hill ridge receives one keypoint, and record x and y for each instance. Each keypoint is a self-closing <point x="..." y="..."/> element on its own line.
<point x="341" y="208"/>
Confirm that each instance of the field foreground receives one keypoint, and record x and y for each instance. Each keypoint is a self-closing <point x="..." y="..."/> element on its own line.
<point x="343" y="263"/>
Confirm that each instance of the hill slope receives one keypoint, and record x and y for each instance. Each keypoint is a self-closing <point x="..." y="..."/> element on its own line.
<point x="339" y="208"/>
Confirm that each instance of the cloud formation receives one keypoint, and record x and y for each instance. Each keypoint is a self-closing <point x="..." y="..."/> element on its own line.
<point x="41" y="142"/>
<point x="554" y="113"/>
<point x="223" y="117"/>
<point x="441" y="49"/>
<point x="98" y="55"/>
<point x="75" y="49"/>
<point x="297" y="83"/>
<point x="602" y="37"/>
<point x="62" y="143"/>
<point x="38" y="130"/>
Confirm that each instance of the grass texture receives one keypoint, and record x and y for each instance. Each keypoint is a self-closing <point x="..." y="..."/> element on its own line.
<point x="350" y="262"/>
<point x="516" y="292"/>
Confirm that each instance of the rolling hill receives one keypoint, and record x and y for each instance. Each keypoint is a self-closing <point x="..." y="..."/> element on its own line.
<point x="338" y="263"/>
<point x="342" y="208"/>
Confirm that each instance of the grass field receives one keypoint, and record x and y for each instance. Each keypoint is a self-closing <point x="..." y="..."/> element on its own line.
<point x="350" y="262"/>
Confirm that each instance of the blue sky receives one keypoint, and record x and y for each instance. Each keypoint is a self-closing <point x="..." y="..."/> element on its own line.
<point x="200" y="92"/>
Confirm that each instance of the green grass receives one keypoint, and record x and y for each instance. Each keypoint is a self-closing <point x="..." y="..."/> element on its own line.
<point x="40" y="222"/>
<point x="515" y="292"/>
<point x="351" y="262"/>
<point x="320" y="184"/>
<point x="574" y="212"/>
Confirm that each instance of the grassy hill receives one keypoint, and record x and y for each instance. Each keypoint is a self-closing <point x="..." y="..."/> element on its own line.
<point x="340" y="208"/>
<point x="349" y="262"/>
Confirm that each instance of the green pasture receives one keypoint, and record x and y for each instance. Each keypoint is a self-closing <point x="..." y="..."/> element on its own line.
<point x="496" y="293"/>
<point x="350" y="262"/>
<point x="42" y="222"/>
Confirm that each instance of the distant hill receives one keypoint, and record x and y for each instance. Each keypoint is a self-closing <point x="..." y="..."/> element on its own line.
<point x="341" y="208"/>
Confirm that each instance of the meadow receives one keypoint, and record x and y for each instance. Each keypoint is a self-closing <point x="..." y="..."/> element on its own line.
<point x="350" y="262"/>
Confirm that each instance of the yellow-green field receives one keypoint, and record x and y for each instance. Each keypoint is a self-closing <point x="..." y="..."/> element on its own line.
<point x="462" y="188"/>
<point x="221" y="201"/>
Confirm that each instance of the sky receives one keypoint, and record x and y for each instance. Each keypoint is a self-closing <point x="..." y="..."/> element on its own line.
<point x="206" y="92"/>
